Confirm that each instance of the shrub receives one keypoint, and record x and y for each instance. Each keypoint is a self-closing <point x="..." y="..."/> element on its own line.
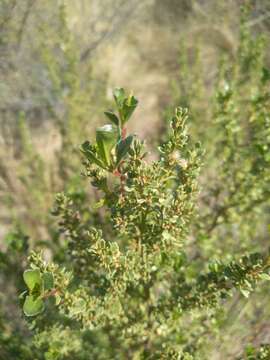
<point x="163" y="261"/>
<point x="128" y="289"/>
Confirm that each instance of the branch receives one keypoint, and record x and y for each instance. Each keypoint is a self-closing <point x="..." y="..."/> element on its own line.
<point x="24" y="21"/>
<point x="118" y="19"/>
<point x="222" y="279"/>
<point x="259" y="19"/>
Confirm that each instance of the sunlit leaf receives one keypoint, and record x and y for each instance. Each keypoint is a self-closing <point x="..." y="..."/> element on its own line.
<point x="123" y="147"/>
<point x="90" y="155"/>
<point x="129" y="106"/>
<point x="32" y="278"/>
<point x="106" y="137"/>
<point x="119" y="96"/>
<point x="33" y="306"/>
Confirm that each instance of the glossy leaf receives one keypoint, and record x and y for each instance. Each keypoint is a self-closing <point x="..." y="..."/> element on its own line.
<point x="33" y="280"/>
<point x="129" y="106"/>
<point x="123" y="147"/>
<point x="112" y="117"/>
<point x="33" y="306"/>
<point x="106" y="137"/>
<point x="119" y="96"/>
<point x="126" y="105"/>
<point x="90" y="155"/>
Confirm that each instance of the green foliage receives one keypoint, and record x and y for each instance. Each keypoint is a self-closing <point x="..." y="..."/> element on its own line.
<point x="39" y="288"/>
<point x="50" y="114"/>
<point x="167" y="258"/>
<point x="32" y="305"/>
<point x="262" y="353"/>
<point x="111" y="142"/>
<point x="127" y="287"/>
<point x="33" y="280"/>
<point x="125" y="105"/>
<point x="231" y="119"/>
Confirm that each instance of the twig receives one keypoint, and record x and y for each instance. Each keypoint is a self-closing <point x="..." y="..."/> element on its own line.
<point x="259" y="19"/>
<point x="117" y="19"/>
<point x="24" y="21"/>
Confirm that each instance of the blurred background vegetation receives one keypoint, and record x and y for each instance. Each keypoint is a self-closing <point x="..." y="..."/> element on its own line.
<point x="60" y="60"/>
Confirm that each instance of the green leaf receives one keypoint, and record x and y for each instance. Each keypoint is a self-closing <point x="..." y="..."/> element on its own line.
<point x="99" y="204"/>
<point x="57" y="299"/>
<point x="90" y="155"/>
<point x="32" y="279"/>
<point x="129" y="106"/>
<point x="119" y="96"/>
<point x="123" y="147"/>
<point x="126" y="105"/>
<point x="48" y="281"/>
<point x="264" y="276"/>
<point x="111" y="116"/>
<point x="245" y="292"/>
<point x="33" y="306"/>
<point x="106" y="137"/>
